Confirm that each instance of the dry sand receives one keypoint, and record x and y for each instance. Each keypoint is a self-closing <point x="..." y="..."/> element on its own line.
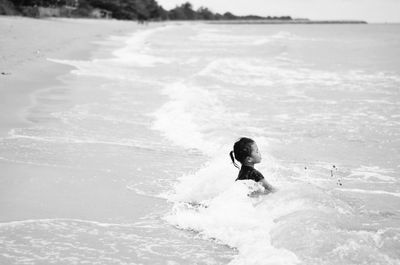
<point x="25" y="45"/>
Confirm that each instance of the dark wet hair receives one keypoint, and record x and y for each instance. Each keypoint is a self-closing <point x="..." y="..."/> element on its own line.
<point x="241" y="150"/>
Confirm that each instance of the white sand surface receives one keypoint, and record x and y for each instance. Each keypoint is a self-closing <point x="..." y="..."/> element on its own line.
<point x="25" y="45"/>
<point x="32" y="87"/>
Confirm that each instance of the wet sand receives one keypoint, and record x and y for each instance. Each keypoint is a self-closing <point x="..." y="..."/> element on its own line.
<point x="31" y="88"/>
<point x="26" y="44"/>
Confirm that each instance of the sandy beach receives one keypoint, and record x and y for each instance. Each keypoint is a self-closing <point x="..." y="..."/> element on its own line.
<point x="115" y="137"/>
<point x="26" y="44"/>
<point x="32" y="87"/>
<point x="77" y="151"/>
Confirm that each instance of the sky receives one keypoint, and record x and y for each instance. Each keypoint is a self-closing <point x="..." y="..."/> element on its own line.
<point x="368" y="10"/>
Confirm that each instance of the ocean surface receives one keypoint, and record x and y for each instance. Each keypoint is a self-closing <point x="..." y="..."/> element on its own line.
<point x="126" y="160"/>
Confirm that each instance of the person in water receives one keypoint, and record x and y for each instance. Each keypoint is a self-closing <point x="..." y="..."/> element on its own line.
<point x="245" y="151"/>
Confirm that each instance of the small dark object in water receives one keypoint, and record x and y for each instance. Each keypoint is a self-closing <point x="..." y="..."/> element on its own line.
<point x="4" y="73"/>
<point x="339" y="183"/>
<point x="332" y="170"/>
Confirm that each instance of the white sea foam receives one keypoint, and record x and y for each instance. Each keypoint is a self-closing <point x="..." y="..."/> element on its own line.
<point x="45" y="222"/>
<point x="77" y="139"/>
<point x="209" y="202"/>
<point x="258" y="226"/>
<point x="262" y="41"/>
<point x="280" y="73"/>
<point x="182" y="129"/>
<point x="256" y="72"/>
<point x="217" y="37"/>
<point x="371" y="174"/>
<point x="104" y="68"/>
<point x="284" y="35"/>
<point x="133" y="54"/>
<point x="134" y="51"/>
<point x="233" y="218"/>
<point x="191" y="116"/>
<point x="72" y="241"/>
<point x="239" y="72"/>
<point x="373" y="192"/>
<point x="225" y="213"/>
<point x="229" y="39"/>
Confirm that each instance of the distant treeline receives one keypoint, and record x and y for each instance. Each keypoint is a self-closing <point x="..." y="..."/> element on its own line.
<point x="186" y="12"/>
<point x="126" y="9"/>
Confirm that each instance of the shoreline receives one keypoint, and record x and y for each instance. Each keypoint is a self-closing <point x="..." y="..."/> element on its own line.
<point x="37" y="87"/>
<point x="24" y="65"/>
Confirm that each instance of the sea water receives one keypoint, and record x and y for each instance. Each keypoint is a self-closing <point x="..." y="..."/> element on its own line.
<point x="127" y="161"/>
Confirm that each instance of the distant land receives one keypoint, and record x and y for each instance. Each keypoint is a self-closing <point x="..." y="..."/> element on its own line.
<point x="141" y="11"/>
<point x="290" y="21"/>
